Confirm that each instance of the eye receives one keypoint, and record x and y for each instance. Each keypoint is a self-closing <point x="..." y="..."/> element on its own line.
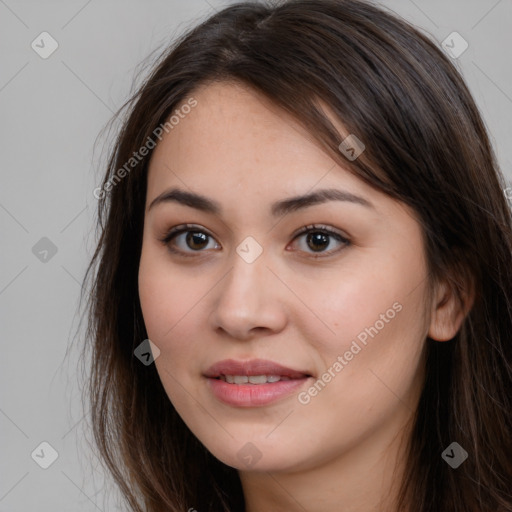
<point x="194" y="239"/>
<point x="318" y="238"/>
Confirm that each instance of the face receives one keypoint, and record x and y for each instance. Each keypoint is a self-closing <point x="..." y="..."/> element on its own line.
<point x="323" y="297"/>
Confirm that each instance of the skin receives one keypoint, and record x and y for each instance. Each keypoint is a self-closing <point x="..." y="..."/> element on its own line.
<point x="292" y="305"/>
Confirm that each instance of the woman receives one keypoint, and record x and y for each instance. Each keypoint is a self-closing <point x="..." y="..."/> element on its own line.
<point x="304" y="215"/>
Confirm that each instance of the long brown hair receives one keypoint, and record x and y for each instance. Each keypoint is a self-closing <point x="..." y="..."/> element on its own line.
<point x="426" y="145"/>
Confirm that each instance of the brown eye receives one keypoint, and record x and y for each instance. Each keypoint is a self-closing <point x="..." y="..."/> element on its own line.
<point x="196" y="240"/>
<point x="318" y="239"/>
<point x="186" y="241"/>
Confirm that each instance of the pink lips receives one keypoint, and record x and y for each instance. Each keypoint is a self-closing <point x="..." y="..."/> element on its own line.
<point x="251" y="395"/>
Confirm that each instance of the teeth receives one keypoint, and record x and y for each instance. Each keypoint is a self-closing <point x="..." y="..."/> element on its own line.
<point x="258" y="379"/>
<point x="253" y="379"/>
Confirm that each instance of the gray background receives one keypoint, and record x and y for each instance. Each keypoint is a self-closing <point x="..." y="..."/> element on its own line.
<point x="52" y="111"/>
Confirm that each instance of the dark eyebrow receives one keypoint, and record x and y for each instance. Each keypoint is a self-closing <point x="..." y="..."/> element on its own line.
<point x="320" y="196"/>
<point x="279" y="208"/>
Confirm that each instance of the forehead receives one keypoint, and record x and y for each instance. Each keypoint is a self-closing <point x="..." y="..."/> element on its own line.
<point x="234" y="139"/>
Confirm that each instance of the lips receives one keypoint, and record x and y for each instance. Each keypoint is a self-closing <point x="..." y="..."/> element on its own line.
<point x="252" y="368"/>
<point x="253" y="383"/>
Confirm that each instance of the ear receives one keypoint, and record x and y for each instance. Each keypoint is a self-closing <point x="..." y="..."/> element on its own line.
<point x="447" y="314"/>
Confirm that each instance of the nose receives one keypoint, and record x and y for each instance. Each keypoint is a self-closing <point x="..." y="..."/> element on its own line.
<point x="250" y="300"/>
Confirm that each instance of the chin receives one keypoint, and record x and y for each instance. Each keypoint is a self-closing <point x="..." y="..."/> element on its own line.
<point x="249" y="458"/>
<point x="255" y="453"/>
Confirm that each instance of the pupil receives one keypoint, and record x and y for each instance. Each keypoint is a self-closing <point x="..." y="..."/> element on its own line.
<point x="319" y="238"/>
<point x="194" y="237"/>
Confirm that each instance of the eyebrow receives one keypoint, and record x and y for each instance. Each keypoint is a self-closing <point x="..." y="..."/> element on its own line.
<point x="279" y="208"/>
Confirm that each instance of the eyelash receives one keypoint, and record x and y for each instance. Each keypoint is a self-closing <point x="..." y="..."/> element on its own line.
<point x="312" y="228"/>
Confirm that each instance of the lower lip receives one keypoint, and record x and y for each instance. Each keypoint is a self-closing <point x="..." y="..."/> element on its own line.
<point x="253" y="395"/>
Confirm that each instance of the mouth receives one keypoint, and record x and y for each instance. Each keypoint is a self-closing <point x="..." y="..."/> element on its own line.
<point x="253" y="383"/>
<point x="252" y="379"/>
<point x="252" y="371"/>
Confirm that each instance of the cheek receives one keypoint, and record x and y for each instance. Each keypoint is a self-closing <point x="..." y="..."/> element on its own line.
<point x="351" y="303"/>
<point x="166" y="296"/>
<point x="364" y="386"/>
<point x="171" y="301"/>
<point x="377" y="328"/>
<point x="167" y="301"/>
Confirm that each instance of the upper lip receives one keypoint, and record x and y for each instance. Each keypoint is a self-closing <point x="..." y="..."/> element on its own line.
<point x="252" y="367"/>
